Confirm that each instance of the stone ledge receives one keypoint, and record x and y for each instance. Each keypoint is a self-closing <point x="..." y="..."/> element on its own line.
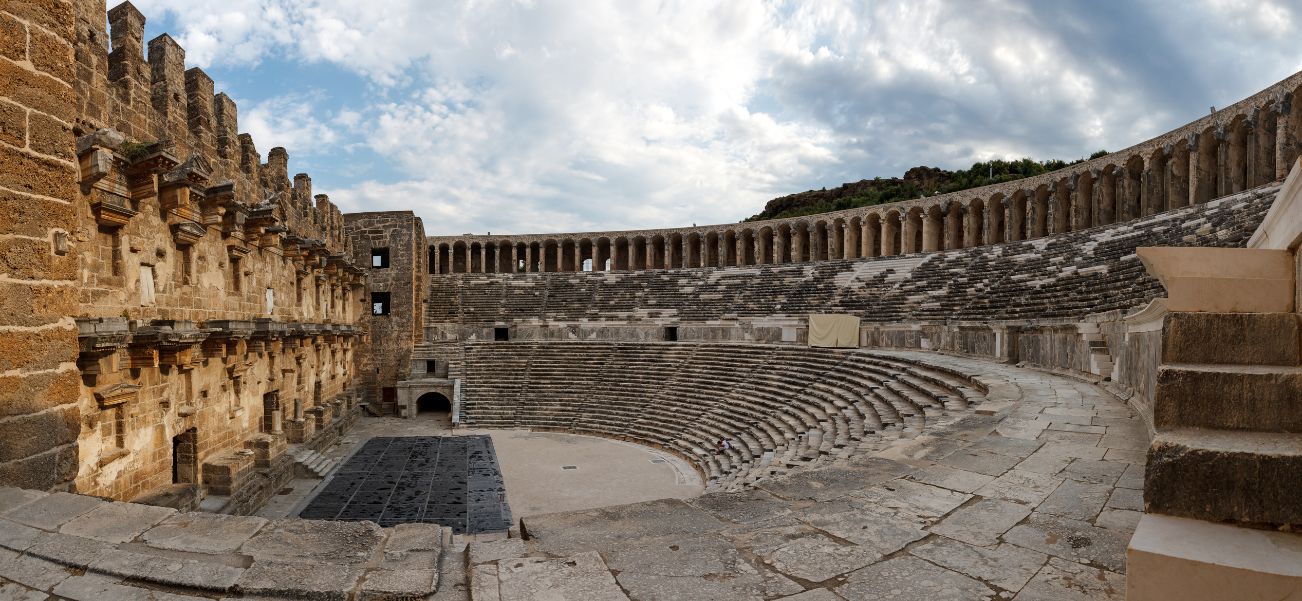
<point x="1193" y="560"/>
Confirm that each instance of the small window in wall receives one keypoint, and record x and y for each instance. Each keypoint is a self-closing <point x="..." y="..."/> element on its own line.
<point x="271" y="300"/>
<point x="146" y="285"/>
<point x="671" y="334"/>
<point x="431" y="366"/>
<point x="379" y="303"/>
<point x="502" y="334"/>
<point x="379" y="258"/>
<point x="236" y="274"/>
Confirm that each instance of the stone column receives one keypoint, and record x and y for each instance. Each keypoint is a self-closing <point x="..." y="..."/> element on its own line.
<point x="890" y="227"/>
<point x="930" y="233"/>
<point x="1285" y="154"/>
<point x="528" y="259"/>
<point x="815" y="245"/>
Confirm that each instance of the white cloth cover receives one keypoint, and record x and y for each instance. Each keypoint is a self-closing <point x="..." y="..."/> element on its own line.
<point x="830" y="330"/>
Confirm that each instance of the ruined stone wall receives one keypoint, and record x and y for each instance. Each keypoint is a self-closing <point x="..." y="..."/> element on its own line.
<point x="181" y="311"/>
<point x="392" y="336"/>
<point x="39" y="413"/>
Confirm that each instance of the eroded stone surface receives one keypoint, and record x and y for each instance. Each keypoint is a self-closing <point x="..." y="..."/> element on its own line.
<point x="912" y="579"/>
<point x="202" y="532"/>
<point x="583" y="576"/>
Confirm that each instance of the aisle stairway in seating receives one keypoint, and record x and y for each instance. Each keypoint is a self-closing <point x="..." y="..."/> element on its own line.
<point x="780" y="407"/>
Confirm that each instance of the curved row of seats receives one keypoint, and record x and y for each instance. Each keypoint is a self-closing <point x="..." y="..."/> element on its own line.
<point x="1063" y="275"/>
<point x="780" y="406"/>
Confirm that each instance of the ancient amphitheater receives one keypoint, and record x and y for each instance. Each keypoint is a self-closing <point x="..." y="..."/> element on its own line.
<point x="214" y="384"/>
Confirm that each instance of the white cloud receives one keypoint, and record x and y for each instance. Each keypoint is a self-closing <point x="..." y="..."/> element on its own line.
<point x="550" y="115"/>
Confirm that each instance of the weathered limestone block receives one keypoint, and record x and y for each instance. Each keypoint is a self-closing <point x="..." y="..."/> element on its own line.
<point x="1232" y="397"/>
<point x="1225" y="476"/>
<point x="1232" y="338"/>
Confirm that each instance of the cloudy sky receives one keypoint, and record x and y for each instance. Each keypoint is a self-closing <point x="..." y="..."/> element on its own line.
<point x="539" y="116"/>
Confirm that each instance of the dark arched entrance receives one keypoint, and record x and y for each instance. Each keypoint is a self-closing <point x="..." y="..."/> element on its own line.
<point x="433" y="402"/>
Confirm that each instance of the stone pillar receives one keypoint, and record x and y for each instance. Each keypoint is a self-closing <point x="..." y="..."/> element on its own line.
<point x="867" y="239"/>
<point x="890" y="227"/>
<point x="908" y="240"/>
<point x="815" y="245"/>
<point x="529" y="266"/>
<point x="1285" y="154"/>
<point x="930" y="233"/>
<point x="434" y="258"/>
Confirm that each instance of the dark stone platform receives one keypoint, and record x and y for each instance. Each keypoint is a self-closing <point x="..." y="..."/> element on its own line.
<point x="453" y="481"/>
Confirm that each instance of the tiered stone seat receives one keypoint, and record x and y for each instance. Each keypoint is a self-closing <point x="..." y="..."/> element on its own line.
<point x="781" y="407"/>
<point x="1063" y="275"/>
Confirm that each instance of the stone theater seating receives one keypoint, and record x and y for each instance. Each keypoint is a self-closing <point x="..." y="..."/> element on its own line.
<point x="1061" y="275"/>
<point x="781" y="407"/>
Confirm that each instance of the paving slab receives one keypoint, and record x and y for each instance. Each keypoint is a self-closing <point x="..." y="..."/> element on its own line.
<point x="1022" y="486"/>
<point x="835" y="482"/>
<point x="982" y="521"/>
<point x="882" y="531"/>
<point x="1095" y="471"/>
<point x="818" y="594"/>
<point x="17" y="537"/>
<point x="1006" y="566"/>
<point x="582" y="576"/>
<point x="742" y="507"/>
<point x="54" y="510"/>
<point x="315" y="581"/>
<point x="982" y="461"/>
<point x="295" y="540"/>
<point x="496" y="550"/>
<point x="203" y="532"/>
<point x="31" y="571"/>
<point x="95" y="587"/>
<point x="1073" y="540"/>
<point x="1067" y="581"/>
<point x="12" y="591"/>
<point x="116" y="522"/>
<point x="186" y="573"/>
<point x="609" y="528"/>
<point x="1126" y="498"/>
<point x="908" y="578"/>
<point x="71" y="551"/>
<point x="814" y="557"/>
<point x="923" y="501"/>
<point x="951" y="478"/>
<point x="1119" y="519"/>
<point x="14" y="498"/>
<point x="388" y="585"/>
<point x="405" y="538"/>
<point x="1074" y="499"/>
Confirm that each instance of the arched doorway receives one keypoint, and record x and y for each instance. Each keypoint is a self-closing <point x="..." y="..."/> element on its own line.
<point x="433" y="402"/>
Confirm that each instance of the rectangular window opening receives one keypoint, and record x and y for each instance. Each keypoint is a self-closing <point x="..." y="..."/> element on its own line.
<point x="502" y="334"/>
<point x="671" y="334"/>
<point x="379" y="303"/>
<point x="431" y="366"/>
<point x="379" y="258"/>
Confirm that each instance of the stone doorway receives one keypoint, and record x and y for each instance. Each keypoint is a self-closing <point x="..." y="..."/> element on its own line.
<point x="434" y="402"/>
<point x="185" y="457"/>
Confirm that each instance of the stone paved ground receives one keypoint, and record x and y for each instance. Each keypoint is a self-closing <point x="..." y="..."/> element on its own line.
<point x="1032" y="497"/>
<point x="1036" y="501"/>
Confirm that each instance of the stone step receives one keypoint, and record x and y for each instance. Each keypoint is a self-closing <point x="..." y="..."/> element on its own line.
<point x="1232" y="339"/>
<point x="1231" y="397"/>
<point x="1221" y="475"/>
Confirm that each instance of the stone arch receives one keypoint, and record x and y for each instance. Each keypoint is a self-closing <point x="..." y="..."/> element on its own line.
<point x="800" y="240"/>
<point x="729" y="252"/>
<point x="782" y="240"/>
<point x="1039" y="218"/>
<point x="1264" y="130"/>
<point x="460" y="254"/>
<point x="953" y="215"/>
<point x="601" y="254"/>
<point x="1132" y="188"/>
<point x="674" y="251"/>
<point x="870" y="241"/>
<point x="1206" y="176"/>
<point x="975" y="232"/>
<point x="853" y="246"/>
<point x="995" y="218"/>
<point x="1017" y="217"/>
<point x="912" y="227"/>
<point x="433" y="402"/>
<point x="711" y="249"/>
<point x="747" y="242"/>
<point x="637" y="258"/>
<point x="932" y="228"/>
<point x="1236" y="156"/>
<point x="890" y="238"/>
<point x="619" y="254"/>
<point x="445" y="258"/>
<point x="1177" y="177"/>
<point x="694" y="256"/>
<point x="1082" y="201"/>
<point x="765" y="256"/>
<point x="505" y="256"/>
<point x="656" y="260"/>
<point x="1105" y="195"/>
<point x="1154" y="182"/>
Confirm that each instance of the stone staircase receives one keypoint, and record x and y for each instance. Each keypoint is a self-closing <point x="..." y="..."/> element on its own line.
<point x="310" y="463"/>
<point x="1228" y="419"/>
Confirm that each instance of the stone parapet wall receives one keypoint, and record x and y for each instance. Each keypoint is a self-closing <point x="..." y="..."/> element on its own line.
<point x="1251" y="143"/>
